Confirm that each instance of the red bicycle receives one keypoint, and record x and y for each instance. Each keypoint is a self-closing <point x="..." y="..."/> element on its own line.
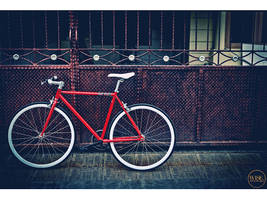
<point x="141" y="136"/>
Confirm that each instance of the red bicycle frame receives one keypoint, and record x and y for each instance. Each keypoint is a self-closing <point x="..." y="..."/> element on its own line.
<point x="114" y="98"/>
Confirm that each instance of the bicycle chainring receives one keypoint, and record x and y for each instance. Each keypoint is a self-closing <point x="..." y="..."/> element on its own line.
<point x="98" y="145"/>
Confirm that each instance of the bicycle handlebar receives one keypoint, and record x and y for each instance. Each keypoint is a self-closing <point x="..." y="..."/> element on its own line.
<point x="50" y="81"/>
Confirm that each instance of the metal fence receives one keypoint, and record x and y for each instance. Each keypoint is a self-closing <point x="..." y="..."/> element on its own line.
<point x="214" y="96"/>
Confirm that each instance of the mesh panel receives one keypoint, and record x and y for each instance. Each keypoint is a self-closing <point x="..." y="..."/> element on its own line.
<point x="22" y="87"/>
<point x="228" y="103"/>
<point x="175" y="92"/>
<point x="261" y="123"/>
<point x="2" y="117"/>
<point x="227" y="106"/>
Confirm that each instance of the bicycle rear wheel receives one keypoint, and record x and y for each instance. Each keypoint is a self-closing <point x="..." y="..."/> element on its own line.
<point x="35" y="151"/>
<point x="159" y="140"/>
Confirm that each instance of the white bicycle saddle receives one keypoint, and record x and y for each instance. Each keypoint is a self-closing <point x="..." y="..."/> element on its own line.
<point x="123" y="76"/>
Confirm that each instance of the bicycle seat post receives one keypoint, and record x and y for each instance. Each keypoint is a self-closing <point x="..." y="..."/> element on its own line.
<point x="118" y="85"/>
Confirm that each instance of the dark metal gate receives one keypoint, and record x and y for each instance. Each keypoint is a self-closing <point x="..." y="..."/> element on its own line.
<point x="210" y="103"/>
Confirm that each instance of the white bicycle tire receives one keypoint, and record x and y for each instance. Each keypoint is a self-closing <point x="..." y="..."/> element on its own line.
<point x="160" y="162"/>
<point x="35" y="165"/>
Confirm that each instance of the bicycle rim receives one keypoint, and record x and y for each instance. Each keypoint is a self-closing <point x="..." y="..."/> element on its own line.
<point x="40" y="152"/>
<point x="159" y="138"/>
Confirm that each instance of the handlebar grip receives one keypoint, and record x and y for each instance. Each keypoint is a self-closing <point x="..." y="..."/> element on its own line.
<point x="60" y="84"/>
<point x="43" y="82"/>
<point x="46" y="80"/>
<point x="51" y="81"/>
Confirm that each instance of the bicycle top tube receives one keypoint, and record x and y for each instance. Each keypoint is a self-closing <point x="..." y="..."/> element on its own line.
<point x="88" y="93"/>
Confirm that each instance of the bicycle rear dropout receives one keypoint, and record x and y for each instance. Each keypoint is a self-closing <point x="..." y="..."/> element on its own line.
<point x="141" y="136"/>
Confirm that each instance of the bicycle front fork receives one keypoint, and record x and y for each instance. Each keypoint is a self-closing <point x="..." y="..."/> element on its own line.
<point x="54" y="102"/>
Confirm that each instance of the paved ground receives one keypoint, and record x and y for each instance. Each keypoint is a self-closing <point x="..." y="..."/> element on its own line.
<point x="185" y="169"/>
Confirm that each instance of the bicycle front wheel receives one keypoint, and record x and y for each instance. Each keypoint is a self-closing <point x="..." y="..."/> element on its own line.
<point x="35" y="151"/>
<point x="157" y="130"/>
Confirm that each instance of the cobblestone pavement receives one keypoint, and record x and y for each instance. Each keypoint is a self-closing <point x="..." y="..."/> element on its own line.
<point x="185" y="169"/>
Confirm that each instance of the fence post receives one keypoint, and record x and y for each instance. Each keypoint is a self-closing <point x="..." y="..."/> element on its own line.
<point x="74" y="66"/>
<point x="200" y="105"/>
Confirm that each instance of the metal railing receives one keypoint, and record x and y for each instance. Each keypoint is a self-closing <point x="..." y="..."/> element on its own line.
<point x="213" y="92"/>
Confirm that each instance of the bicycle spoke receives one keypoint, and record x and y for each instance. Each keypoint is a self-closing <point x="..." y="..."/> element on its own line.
<point x="125" y="129"/>
<point x="40" y="152"/>
<point x="55" y="117"/>
<point x="49" y="136"/>
<point x="156" y="124"/>
<point x="147" y="133"/>
<point x="55" y="143"/>
<point x="142" y="160"/>
<point x="51" y="133"/>
<point x="126" y="147"/>
<point x="145" y="154"/>
<point x="26" y="145"/>
<point x="161" y="139"/>
<point x="30" y="151"/>
<point x="36" y="151"/>
<point x="33" y="120"/>
<point x="61" y="132"/>
<point x="129" y="150"/>
<point x="25" y="141"/>
<point x="53" y="147"/>
<point x="45" y="117"/>
<point x="160" y="133"/>
<point x="26" y="124"/>
<point x="39" y="115"/>
<point x="49" y="143"/>
<point x="42" y="147"/>
<point x="48" y="151"/>
<point x="136" y="119"/>
<point x="138" y="144"/>
<point x="57" y="125"/>
<point x="30" y="122"/>
<point x="123" y="133"/>
<point x="153" y="120"/>
<point x="152" y="143"/>
<point x="23" y="138"/>
<point x="24" y="128"/>
<point x="153" y="150"/>
<point x="18" y="133"/>
<point x="141" y="120"/>
<point x="147" y="121"/>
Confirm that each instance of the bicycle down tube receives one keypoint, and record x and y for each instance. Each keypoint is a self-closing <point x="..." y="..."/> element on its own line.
<point x="114" y="98"/>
